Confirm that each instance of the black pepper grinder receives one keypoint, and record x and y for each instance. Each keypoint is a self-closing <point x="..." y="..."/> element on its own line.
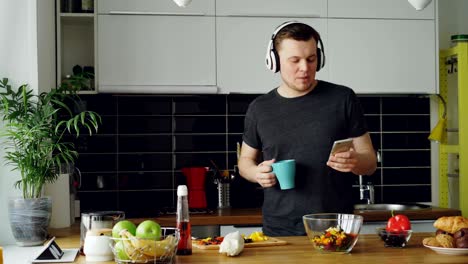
<point x="183" y="222"/>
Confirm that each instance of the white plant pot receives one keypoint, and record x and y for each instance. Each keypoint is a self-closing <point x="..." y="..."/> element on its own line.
<point x="29" y="220"/>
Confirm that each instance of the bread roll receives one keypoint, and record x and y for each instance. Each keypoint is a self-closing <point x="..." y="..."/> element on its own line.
<point x="431" y="241"/>
<point x="445" y="241"/>
<point x="451" y="224"/>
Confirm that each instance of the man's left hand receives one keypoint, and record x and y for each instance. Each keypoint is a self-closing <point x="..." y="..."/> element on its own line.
<point x="343" y="161"/>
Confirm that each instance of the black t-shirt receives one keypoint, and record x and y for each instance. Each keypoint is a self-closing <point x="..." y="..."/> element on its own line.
<point x="304" y="128"/>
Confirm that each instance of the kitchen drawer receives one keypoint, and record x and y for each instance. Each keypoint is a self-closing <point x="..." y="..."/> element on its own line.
<point x="246" y="230"/>
<point x="395" y="9"/>
<point x="197" y="7"/>
<point x="277" y="8"/>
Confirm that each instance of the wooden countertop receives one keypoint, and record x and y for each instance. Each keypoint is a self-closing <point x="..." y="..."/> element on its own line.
<point x="253" y="216"/>
<point x="369" y="249"/>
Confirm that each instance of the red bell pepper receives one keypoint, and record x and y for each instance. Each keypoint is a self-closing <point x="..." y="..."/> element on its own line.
<point x="398" y="223"/>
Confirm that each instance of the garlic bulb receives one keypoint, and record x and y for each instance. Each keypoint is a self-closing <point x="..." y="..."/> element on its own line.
<point x="232" y="245"/>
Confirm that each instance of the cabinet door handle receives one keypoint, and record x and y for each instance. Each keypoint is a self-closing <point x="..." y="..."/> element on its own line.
<point x="273" y="15"/>
<point x="154" y="13"/>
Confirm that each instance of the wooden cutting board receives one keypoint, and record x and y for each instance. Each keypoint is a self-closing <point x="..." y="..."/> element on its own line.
<point x="269" y="243"/>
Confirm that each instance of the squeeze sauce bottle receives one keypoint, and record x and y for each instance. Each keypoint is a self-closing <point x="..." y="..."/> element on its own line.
<point x="183" y="222"/>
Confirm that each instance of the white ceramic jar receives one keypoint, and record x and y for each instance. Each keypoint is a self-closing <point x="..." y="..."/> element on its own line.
<point x="97" y="245"/>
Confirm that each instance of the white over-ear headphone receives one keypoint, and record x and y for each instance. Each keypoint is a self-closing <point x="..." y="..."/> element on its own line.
<point x="272" y="57"/>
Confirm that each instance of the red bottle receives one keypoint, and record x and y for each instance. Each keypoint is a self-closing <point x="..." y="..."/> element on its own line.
<point x="183" y="222"/>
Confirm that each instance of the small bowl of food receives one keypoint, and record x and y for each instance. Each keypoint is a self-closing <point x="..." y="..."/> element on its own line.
<point x="333" y="233"/>
<point x="394" y="239"/>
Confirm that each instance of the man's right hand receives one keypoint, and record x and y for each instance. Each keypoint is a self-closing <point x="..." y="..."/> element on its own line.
<point x="265" y="175"/>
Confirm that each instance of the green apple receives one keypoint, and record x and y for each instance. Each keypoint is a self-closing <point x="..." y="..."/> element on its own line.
<point x="124" y="224"/>
<point x="120" y="251"/>
<point x="148" y="229"/>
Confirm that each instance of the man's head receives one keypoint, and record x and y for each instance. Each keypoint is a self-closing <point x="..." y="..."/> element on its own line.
<point x="296" y="31"/>
<point x="298" y="57"/>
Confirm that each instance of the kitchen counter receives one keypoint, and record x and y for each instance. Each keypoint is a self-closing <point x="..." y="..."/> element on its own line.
<point x="253" y="216"/>
<point x="369" y="249"/>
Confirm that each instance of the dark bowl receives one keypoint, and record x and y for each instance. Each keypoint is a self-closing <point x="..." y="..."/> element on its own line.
<point x="394" y="239"/>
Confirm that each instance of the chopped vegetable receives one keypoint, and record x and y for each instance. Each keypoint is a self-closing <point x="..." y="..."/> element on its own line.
<point x="254" y="237"/>
<point x="210" y="241"/>
<point x="258" y="236"/>
<point x="333" y="239"/>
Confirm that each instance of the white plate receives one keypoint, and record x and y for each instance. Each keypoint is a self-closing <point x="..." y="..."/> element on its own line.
<point x="449" y="251"/>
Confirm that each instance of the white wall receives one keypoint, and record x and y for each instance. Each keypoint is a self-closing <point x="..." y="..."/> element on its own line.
<point x="20" y="22"/>
<point x="46" y="45"/>
<point x="452" y="20"/>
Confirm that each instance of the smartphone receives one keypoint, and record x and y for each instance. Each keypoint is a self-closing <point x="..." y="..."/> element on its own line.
<point x="341" y="145"/>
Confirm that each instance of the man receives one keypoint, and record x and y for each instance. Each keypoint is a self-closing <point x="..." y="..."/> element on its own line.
<point x="300" y="120"/>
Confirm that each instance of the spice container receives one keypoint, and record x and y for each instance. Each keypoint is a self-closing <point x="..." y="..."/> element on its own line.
<point x="459" y="38"/>
<point x="183" y="222"/>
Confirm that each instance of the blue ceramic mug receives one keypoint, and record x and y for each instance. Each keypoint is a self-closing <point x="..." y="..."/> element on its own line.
<point x="285" y="171"/>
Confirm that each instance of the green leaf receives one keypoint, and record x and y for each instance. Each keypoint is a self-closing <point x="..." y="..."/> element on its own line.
<point x="33" y="130"/>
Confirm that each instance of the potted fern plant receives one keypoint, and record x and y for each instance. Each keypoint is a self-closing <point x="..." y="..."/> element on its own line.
<point x="33" y="135"/>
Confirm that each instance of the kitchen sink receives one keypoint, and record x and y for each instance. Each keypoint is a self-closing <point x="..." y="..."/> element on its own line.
<point x="390" y="207"/>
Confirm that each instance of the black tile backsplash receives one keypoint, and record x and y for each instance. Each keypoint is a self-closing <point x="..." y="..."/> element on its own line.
<point x="405" y="123"/>
<point x="97" y="162"/>
<point x="200" y="124"/>
<point x="144" y="105"/>
<point x="417" y="140"/>
<point x="407" y="176"/>
<point x="144" y="143"/>
<point x="146" y="180"/>
<point x="133" y="164"/>
<point x="405" y="105"/>
<point x="144" y="124"/>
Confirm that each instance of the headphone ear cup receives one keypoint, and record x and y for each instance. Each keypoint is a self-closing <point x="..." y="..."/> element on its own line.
<point x="269" y="58"/>
<point x="275" y="59"/>
<point x="319" y="59"/>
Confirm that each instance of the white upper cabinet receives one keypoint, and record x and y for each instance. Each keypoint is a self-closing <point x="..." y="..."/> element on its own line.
<point x="275" y="8"/>
<point x="383" y="56"/>
<point x="398" y="9"/>
<point x="241" y="48"/>
<point x="144" y="53"/>
<point x="155" y="46"/>
<point x="164" y="7"/>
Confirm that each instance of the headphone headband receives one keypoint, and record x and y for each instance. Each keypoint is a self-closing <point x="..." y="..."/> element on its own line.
<point x="272" y="58"/>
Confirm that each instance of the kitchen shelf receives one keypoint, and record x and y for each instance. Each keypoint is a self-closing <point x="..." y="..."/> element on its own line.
<point x="460" y="50"/>
<point x="76" y="44"/>
<point x="76" y="18"/>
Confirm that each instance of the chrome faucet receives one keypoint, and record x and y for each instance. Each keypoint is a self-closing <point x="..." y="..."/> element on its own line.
<point x="366" y="191"/>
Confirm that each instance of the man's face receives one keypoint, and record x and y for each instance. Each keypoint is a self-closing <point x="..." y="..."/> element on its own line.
<point x="298" y="64"/>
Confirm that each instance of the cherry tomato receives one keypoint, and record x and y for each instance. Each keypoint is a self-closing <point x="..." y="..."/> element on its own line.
<point x="398" y="223"/>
